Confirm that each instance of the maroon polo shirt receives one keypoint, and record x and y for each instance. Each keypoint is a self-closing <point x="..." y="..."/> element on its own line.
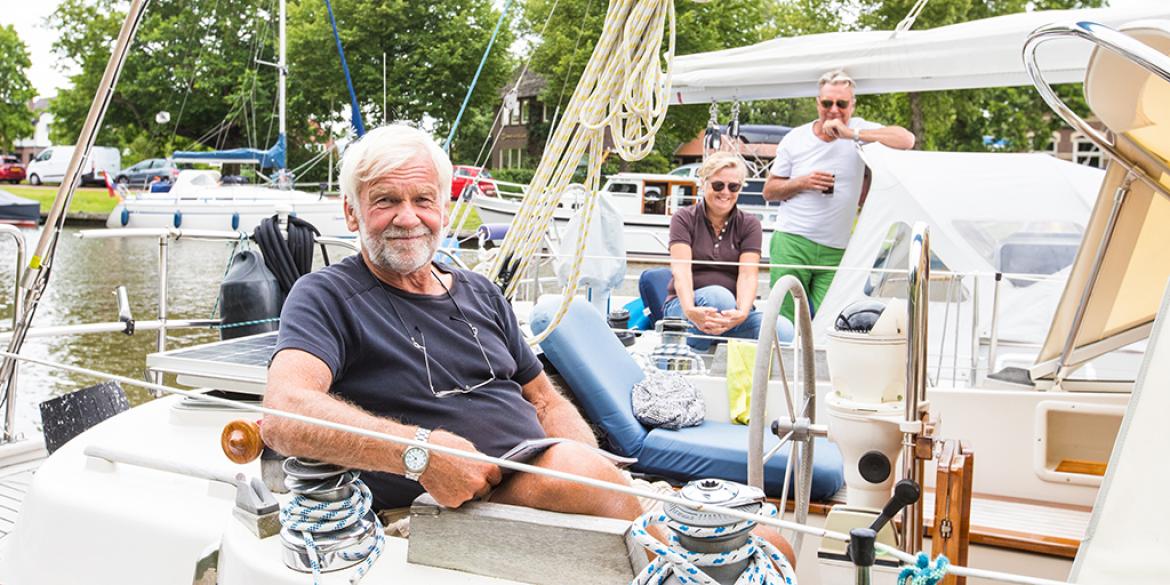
<point x="742" y="233"/>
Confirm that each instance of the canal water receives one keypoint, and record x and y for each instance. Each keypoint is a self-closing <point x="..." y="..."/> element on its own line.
<point x="81" y="290"/>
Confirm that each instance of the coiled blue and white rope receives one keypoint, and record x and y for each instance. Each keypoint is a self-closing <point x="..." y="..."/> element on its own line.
<point x="308" y="517"/>
<point x="768" y="566"/>
<point x="923" y="572"/>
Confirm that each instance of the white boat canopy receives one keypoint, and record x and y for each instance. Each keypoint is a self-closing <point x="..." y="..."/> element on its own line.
<point x="988" y="213"/>
<point x="977" y="54"/>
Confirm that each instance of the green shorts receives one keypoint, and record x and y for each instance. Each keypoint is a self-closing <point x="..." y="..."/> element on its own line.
<point x="793" y="249"/>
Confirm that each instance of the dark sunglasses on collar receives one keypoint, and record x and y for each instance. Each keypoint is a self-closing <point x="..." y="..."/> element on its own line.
<point x="719" y="185"/>
<point x="841" y="104"/>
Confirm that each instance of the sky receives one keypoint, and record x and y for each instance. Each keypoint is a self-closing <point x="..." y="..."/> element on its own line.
<point x="46" y="77"/>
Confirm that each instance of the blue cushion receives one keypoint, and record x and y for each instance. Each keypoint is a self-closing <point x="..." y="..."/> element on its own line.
<point x="720" y="450"/>
<point x="652" y="286"/>
<point x="597" y="367"/>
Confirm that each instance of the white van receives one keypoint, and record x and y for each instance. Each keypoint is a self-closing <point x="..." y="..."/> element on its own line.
<point x="50" y="165"/>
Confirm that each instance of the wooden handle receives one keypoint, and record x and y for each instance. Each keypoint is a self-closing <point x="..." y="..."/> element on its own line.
<point x="241" y="441"/>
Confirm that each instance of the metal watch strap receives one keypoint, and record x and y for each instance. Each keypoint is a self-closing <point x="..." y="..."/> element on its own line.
<point x="421" y="435"/>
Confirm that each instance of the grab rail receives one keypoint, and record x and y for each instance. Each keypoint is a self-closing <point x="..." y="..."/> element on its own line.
<point x="17" y="309"/>
<point x="918" y="305"/>
<point x="1120" y="44"/>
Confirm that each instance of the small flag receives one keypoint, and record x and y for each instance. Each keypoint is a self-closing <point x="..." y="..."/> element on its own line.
<point x="111" y="188"/>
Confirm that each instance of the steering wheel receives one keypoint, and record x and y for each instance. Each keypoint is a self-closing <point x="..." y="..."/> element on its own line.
<point x="800" y="402"/>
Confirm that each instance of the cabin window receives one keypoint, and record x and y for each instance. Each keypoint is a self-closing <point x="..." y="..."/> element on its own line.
<point x="1026" y="251"/>
<point x="888" y="278"/>
<point x="525" y="108"/>
<point x="654" y="199"/>
<point x="623" y="188"/>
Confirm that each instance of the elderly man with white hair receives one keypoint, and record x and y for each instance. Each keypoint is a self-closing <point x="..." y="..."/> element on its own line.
<point x="819" y="176"/>
<point x="390" y="341"/>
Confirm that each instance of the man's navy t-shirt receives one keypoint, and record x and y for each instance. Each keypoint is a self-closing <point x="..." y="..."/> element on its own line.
<point x="346" y="317"/>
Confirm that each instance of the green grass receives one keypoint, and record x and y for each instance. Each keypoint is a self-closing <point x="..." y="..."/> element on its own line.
<point x="85" y="200"/>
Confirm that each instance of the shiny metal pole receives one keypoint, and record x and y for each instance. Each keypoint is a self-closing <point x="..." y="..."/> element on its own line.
<point x="17" y="307"/>
<point x="164" y="248"/>
<point x="36" y="277"/>
<point x="974" y="376"/>
<point x="918" y="299"/>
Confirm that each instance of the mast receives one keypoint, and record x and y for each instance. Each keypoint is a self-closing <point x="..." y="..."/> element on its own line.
<point x="283" y="180"/>
<point x="36" y="275"/>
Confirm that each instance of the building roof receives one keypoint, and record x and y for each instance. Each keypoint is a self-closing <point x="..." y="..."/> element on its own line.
<point x="529" y="86"/>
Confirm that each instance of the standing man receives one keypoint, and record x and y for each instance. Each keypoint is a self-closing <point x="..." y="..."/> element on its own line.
<point x="819" y="176"/>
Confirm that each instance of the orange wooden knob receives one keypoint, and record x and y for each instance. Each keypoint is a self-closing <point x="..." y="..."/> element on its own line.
<point x="241" y="441"/>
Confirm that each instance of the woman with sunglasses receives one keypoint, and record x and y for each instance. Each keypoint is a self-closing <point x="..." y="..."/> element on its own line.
<point x="717" y="299"/>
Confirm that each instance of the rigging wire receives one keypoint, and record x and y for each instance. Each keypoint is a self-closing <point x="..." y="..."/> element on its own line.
<point x="475" y="79"/>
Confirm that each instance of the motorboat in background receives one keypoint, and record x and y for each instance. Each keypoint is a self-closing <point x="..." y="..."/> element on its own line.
<point x="646" y="202"/>
<point x="199" y="200"/>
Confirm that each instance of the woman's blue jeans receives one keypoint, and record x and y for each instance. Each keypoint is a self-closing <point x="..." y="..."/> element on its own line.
<point x="722" y="299"/>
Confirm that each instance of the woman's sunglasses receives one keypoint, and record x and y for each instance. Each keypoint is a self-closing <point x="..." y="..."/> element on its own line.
<point x="719" y="185"/>
<point x="841" y="104"/>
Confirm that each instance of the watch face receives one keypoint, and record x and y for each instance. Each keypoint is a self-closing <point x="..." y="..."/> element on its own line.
<point x="415" y="459"/>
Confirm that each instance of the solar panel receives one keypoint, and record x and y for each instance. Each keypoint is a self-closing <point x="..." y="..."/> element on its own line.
<point x="235" y="364"/>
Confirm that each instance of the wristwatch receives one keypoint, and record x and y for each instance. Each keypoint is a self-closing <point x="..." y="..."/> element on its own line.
<point x="856" y="135"/>
<point x="415" y="459"/>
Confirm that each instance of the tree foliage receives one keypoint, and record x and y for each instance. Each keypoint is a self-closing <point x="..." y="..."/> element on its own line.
<point x="561" y="43"/>
<point x="199" y="61"/>
<point x="16" y="121"/>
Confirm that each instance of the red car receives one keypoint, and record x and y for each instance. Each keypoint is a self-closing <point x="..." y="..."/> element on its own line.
<point x="11" y="169"/>
<point x="465" y="175"/>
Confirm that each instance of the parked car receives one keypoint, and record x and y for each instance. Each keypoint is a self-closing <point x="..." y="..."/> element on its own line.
<point x="50" y="165"/>
<point x="142" y="173"/>
<point x="465" y="175"/>
<point x="11" y="169"/>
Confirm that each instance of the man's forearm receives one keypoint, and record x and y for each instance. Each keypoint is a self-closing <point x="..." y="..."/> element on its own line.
<point x="891" y="136"/>
<point x="557" y="416"/>
<point x="780" y="188"/>
<point x="291" y="437"/>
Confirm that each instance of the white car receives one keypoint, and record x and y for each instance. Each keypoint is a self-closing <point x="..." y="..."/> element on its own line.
<point x="50" y="165"/>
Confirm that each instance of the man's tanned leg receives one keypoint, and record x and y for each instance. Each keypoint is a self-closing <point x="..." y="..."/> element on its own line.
<point x="556" y="495"/>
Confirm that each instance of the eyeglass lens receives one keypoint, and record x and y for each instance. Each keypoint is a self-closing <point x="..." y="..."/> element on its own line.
<point x="719" y="185"/>
<point x="841" y="104"/>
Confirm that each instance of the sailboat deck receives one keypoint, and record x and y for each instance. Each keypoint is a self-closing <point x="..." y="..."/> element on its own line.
<point x="18" y="464"/>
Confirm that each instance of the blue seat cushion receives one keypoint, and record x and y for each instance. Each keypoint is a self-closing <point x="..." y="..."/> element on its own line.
<point x="652" y="287"/>
<point x="597" y="367"/>
<point x="720" y="450"/>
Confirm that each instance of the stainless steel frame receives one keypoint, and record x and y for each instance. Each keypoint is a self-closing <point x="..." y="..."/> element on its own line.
<point x="17" y="236"/>
<point x="918" y="307"/>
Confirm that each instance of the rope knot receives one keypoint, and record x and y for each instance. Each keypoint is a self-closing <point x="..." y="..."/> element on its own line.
<point x="924" y="572"/>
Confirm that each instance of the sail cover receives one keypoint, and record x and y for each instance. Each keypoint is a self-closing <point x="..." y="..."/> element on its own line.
<point x="273" y="158"/>
<point x="981" y="53"/>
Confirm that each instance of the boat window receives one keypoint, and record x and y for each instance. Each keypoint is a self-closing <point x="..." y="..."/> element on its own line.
<point x="622" y="188"/>
<point x="1023" y="248"/>
<point x="684" y="195"/>
<point x="888" y="279"/>
<point x="653" y="201"/>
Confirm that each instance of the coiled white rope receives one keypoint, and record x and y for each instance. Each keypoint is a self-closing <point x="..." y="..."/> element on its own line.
<point x="309" y="517"/>
<point x="768" y="566"/>
<point x="624" y="89"/>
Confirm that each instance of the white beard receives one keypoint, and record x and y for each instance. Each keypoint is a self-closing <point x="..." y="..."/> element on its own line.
<point x="402" y="257"/>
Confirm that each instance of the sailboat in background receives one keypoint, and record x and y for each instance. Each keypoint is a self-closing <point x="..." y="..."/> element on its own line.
<point x="203" y="200"/>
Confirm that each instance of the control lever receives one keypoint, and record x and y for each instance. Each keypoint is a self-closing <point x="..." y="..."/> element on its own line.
<point x="124" y="313"/>
<point x="861" y="540"/>
<point x="906" y="492"/>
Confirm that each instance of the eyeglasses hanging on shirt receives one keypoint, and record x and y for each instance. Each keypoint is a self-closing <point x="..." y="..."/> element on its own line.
<point x="460" y="387"/>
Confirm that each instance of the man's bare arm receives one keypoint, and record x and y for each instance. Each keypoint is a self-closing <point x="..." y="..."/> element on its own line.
<point x="891" y="136"/>
<point x="556" y="414"/>
<point x="785" y="188"/>
<point x="299" y="382"/>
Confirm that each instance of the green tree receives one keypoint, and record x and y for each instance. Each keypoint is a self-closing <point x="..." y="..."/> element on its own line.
<point x="199" y="61"/>
<point x="16" y="121"/>
<point x="561" y="44"/>
<point x="432" y="50"/>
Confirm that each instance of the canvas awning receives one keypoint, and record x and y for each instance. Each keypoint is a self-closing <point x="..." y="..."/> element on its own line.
<point x="266" y="159"/>
<point x="981" y="53"/>
<point x="1117" y="281"/>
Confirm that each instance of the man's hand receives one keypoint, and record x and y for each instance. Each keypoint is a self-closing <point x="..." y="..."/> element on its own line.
<point x="816" y="181"/>
<point x="837" y="129"/>
<point x="454" y="480"/>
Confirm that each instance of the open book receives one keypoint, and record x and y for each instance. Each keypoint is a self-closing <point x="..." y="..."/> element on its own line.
<point x="528" y="450"/>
